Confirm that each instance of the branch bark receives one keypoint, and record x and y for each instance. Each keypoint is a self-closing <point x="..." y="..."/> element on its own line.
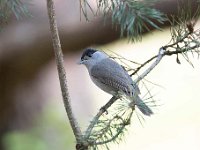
<point x="167" y="52"/>
<point x="61" y="69"/>
<point x="147" y="71"/>
<point x="98" y="115"/>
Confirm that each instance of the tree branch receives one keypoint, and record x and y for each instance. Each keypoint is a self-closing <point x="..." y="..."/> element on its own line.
<point x="147" y="71"/>
<point x="185" y="48"/>
<point x="61" y="69"/>
<point x="98" y="115"/>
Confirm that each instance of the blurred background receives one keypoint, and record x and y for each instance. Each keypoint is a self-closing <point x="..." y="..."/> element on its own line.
<point x="32" y="114"/>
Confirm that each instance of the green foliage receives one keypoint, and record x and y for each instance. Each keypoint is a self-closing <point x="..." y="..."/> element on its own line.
<point x="132" y="17"/>
<point x="23" y="141"/>
<point x="111" y="127"/>
<point x="49" y="133"/>
<point x="184" y="37"/>
<point x="10" y="8"/>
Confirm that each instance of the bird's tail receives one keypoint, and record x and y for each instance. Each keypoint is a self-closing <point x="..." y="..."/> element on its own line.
<point x="143" y="107"/>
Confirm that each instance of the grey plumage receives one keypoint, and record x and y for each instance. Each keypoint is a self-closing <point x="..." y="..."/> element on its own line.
<point x="113" y="75"/>
<point x="116" y="79"/>
<point x="142" y="106"/>
<point x="113" y="78"/>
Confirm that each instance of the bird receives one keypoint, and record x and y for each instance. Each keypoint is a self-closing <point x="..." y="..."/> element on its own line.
<point x="111" y="77"/>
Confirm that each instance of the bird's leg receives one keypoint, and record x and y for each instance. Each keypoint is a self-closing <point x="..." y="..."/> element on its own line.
<point x="132" y="104"/>
<point x="108" y="104"/>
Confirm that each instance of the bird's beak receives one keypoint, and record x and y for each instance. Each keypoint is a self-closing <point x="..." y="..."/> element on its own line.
<point x="80" y="62"/>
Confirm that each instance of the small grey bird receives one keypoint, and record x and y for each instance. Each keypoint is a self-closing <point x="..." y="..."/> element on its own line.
<point x="111" y="77"/>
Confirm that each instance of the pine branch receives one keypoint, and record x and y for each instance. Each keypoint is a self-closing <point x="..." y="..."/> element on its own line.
<point x="109" y="127"/>
<point x="98" y="115"/>
<point x="61" y="69"/>
<point x="147" y="71"/>
<point x="184" y="38"/>
<point x="10" y="8"/>
<point x="133" y="17"/>
<point x="169" y="53"/>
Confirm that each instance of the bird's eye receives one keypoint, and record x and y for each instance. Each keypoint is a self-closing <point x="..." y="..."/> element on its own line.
<point x="88" y="53"/>
<point x="86" y="57"/>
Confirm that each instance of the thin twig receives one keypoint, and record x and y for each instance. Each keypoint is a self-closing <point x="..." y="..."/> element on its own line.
<point x="159" y="57"/>
<point x="142" y="65"/>
<point x="61" y="69"/>
<point x="120" y="129"/>
<point x="178" y="41"/>
<point x="98" y="115"/>
<point x="166" y="53"/>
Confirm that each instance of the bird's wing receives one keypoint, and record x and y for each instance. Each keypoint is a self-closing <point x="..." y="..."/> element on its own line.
<point x="112" y="75"/>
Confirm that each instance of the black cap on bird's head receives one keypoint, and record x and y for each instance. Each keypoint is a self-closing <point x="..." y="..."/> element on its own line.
<point x="87" y="53"/>
<point x="91" y="56"/>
